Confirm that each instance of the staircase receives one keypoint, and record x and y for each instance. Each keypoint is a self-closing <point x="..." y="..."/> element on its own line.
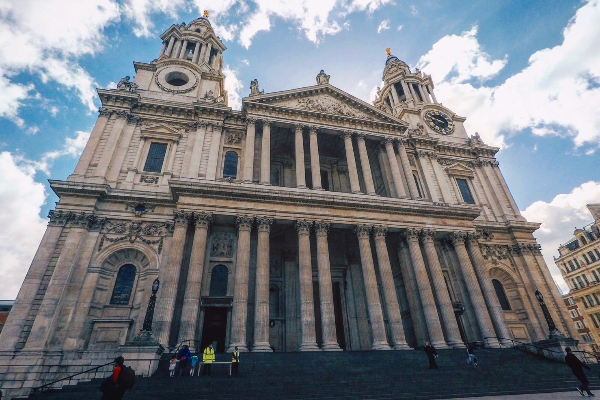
<point x="352" y="375"/>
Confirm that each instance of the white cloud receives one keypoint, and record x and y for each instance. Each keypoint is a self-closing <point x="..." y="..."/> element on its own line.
<point x="399" y="28"/>
<point x="32" y="130"/>
<point x="233" y="86"/>
<point x="72" y="147"/>
<point x="556" y="94"/>
<point x="246" y="62"/>
<point x="11" y="98"/>
<point x="559" y="219"/>
<point x="385" y="24"/>
<point x="364" y="5"/>
<point x="413" y="10"/>
<point x="21" y="228"/>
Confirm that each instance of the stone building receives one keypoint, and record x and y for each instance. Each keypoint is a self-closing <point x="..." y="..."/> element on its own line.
<point x="579" y="264"/>
<point x="307" y="221"/>
<point x="5" y="306"/>
<point x="587" y="342"/>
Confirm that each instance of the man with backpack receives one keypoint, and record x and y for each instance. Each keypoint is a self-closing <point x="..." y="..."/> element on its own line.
<point x="577" y="367"/>
<point x="122" y="378"/>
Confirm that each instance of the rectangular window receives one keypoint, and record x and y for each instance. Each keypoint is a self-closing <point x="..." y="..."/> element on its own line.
<point x="579" y="324"/>
<point x="594" y="321"/>
<point x="574" y="284"/>
<point x="571" y="265"/>
<point x="156" y="157"/>
<point x="592" y="256"/>
<point x="596" y="298"/>
<point x="590" y="300"/>
<point x="465" y="191"/>
<point x="584" y="302"/>
<point x="595" y="276"/>
<point x="597" y="252"/>
<point x="586" y="259"/>
<point x="577" y="262"/>
<point x="580" y="282"/>
<point x="587" y="283"/>
<point x="572" y="312"/>
<point x="571" y="301"/>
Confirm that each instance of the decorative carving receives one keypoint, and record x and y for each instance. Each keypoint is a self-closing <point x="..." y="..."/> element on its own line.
<point x="250" y="121"/>
<point x="264" y="223"/>
<point x="331" y="107"/>
<point x="222" y="245"/>
<point x="458" y="237"/>
<point x="313" y="130"/>
<point x="254" y="88"/>
<point x="411" y="161"/>
<point x="321" y="228"/>
<point x="58" y="217"/>
<point x="133" y="231"/>
<point x="494" y="252"/>
<point x="139" y="209"/>
<point x="124" y="84"/>
<point x="412" y="233"/>
<point x="210" y="97"/>
<point x="149" y="179"/>
<point x="363" y="231"/>
<point x="234" y="138"/>
<point x="180" y="218"/>
<point x="174" y="91"/>
<point x="244" y="222"/>
<point x="428" y="234"/>
<point x="202" y="219"/>
<point x="322" y="78"/>
<point x="77" y="220"/>
<point x="105" y="112"/>
<point x="485" y="234"/>
<point x="418" y="131"/>
<point x="303" y="226"/>
<point x="379" y="231"/>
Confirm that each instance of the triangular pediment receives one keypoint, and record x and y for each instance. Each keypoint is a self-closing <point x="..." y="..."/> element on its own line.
<point x="324" y="99"/>
<point x="459" y="169"/>
<point x="162" y="131"/>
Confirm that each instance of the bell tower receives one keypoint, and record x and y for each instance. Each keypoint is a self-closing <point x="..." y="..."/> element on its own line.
<point x="190" y="63"/>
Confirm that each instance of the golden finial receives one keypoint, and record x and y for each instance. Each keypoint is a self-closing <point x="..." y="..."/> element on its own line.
<point x="205" y="14"/>
<point x="388" y="51"/>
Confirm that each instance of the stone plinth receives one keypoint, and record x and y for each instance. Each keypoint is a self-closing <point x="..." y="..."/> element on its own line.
<point x="143" y="353"/>
<point x="557" y="346"/>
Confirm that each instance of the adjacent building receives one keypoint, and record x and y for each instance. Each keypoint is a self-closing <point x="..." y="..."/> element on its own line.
<point x="307" y="221"/>
<point x="5" y="306"/>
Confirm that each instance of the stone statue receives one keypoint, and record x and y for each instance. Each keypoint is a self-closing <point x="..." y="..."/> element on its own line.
<point x="123" y="83"/>
<point x="322" y="78"/>
<point x="254" y="88"/>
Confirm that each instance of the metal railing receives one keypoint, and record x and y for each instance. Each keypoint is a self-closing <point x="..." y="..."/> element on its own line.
<point x="544" y="352"/>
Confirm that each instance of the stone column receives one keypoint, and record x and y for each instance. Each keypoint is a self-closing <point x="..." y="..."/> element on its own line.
<point x="441" y="290"/>
<point x="307" y="308"/>
<point x="207" y="52"/>
<point x="249" y="150"/>
<point x="372" y="293"/>
<point x="487" y="288"/>
<point x="265" y="154"/>
<point x="239" y="314"/>
<point x="315" y="165"/>
<point x="481" y="312"/>
<point x="366" y="166"/>
<point x="412" y="187"/>
<point x="352" y="171"/>
<point x="165" y="306"/>
<point x="389" y="290"/>
<point x="335" y="178"/>
<point x="182" y="53"/>
<point x="261" y="302"/>
<point x="196" y="53"/>
<point x="410" y="99"/>
<point x="432" y="95"/>
<point x="193" y="285"/>
<point x="432" y="320"/>
<point x="396" y="176"/>
<point x="299" y="147"/>
<point x="170" y="46"/>
<point x="325" y="288"/>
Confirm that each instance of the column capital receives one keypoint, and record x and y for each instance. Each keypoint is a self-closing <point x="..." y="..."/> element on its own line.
<point x="360" y="136"/>
<point x="250" y="120"/>
<point x="266" y="122"/>
<point x="299" y="127"/>
<point x="412" y="233"/>
<point x="181" y="218"/>
<point x="458" y="237"/>
<point x="303" y="226"/>
<point x="264" y="223"/>
<point x="313" y="129"/>
<point x="473" y="237"/>
<point x="244" y="222"/>
<point x="322" y="227"/>
<point x="363" y="231"/>
<point x="400" y="142"/>
<point x="379" y="231"/>
<point x="202" y="219"/>
<point x="428" y="234"/>
<point x="346" y="134"/>
<point x="389" y="141"/>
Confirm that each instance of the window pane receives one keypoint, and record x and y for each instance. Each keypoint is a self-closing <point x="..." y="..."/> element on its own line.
<point x="230" y="165"/>
<point x="501" y="294"/>
<point x="465" y="191"/>
<point x="123" y="285"/>
<point x="156" y="157"/>
<point x="324" y="180"/>
<point x="218" y="281"/>
<point x="418" y="187"/>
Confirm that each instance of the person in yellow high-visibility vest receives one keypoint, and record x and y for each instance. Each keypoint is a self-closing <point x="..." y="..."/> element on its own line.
<point x="208" y="358"/>
<point x="235" y="361"/>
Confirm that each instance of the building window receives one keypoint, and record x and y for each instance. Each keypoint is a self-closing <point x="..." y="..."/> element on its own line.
<point x="586" y="337"/>
<point x="584" y="302"/>
<point x="418" y="186"/>
<point x="501" y="294"/>
<point x="590" y="300"/>
<point x="594" y="321"/>
<point x="587" y="261"/>
<point x="577" y="262"/>
<point x="587" y="283"/>
<point x="596" y="298"/>
<point x="465" y="191"/>
<point x="123" y="285"/>
<point x="580" y="282"/>
<point x="218" y="281"/>
<point x="571" y="301"/>
<point x="579" y="324"/>
<point x="597" y="252"/>
<point x="156" y="157"/>
<point x="389" y="103"/>
<point x="595" y="276"/>
<point x="400" y="91"/>
<point x="583" y="241"/>
<point x="573" y="313"/>
<point x="592" y="256"/>
<point x="571" y="265"/>
<point x="574" y="284"/>
<point x="230" y="165"/>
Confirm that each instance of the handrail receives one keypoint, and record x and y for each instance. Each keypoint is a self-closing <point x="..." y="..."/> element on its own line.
<point x="585" y="354"/>
<point x="48" y="385"/>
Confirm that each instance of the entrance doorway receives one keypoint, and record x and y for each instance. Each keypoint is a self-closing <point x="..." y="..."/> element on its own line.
<point x="214" y="328"/>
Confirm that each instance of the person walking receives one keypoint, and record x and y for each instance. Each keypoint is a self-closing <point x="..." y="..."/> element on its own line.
<point x="193" y="363"/>
<point x="472" y="360"/>
<point x="432" y="355"/>
<point x="235" y="362"/>
<point x="208" y="357"/>
<point x="184" y="358"/>
<point x="577" y="367"/>
<point x="112" y="387"/>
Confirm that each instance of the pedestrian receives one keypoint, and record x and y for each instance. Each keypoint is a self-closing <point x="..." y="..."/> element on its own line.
<point x="472" y="360"/>
<point x="208" y="357"/>
<point x="235" y="362"/>
<point x="193" y="363"/>
<point x="577" y="367"/>
<point x="184" y="358"/>
<point x="172" y="366"/>
<point x="432" y="355"/>
<point x="112" y="387"/>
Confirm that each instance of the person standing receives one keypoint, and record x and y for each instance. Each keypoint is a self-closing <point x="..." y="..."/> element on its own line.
<point x="235" y="362"/>
<point x="193" y="363"/>
<point x="432" y="355"/>
<point x="184" y="358"/>
<point x="577" y="367"/>
<point x="172" y="366"/>
<point x="208" y="357"/>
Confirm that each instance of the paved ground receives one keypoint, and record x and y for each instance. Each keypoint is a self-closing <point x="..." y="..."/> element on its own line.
<point x="535" y="396"/>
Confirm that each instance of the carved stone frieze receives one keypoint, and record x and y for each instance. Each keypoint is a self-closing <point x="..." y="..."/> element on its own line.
<point x="418" y="131"/>
<point x="458" y="237"/>
<point x="485" y="234"/>
<point x="149" y="179"/>
<point x="495" y="251"/>
<point x="520" y="248"/>
<point x="428" y="234"/>
<point x="222" y="245"/>
<point x="150" y="233"/>
<point x="234" y="138"/>
<point x="85" y="220"/>
<point x="412" y="233"/>
<point x="330" y="106"/>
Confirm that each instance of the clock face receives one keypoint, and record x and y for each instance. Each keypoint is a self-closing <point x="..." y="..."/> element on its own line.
<point x="439" y="122"/>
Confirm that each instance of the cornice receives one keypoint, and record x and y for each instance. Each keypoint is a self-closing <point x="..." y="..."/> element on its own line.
<point x="80" y="189"/>
<point x="118" y="98"/>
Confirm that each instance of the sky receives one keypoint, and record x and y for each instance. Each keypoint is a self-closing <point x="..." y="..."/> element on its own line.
<point x="525" y="74"/>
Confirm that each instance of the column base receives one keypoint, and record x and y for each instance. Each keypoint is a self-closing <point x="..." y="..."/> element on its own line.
<point x="309" y="347"/>
<point x="301" y="187"/>
<point x="402" y="346"/>
<point x="266" y="183"/>
<point x="262" y="347"/>
<point x="331" y="347"/>
<point x="381" y="346"/>
<point x="492" y="342"/>
<point x="242" y="348"/>
<point x="439" y="345"/>
<point x="373" y="194"/>
<point x="318" y="188"/>
<point x="456" y="345"/>
<point x="357" y="192"/>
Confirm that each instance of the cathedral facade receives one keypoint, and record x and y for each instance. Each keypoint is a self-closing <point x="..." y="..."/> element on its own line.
<point x="307" y="221"/>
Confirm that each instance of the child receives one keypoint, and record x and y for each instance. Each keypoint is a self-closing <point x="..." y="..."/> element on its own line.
<point x="193" y="363"/>
<point x="172" y="365"/>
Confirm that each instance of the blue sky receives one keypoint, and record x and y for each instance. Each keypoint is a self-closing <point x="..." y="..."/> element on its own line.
<point x="526" y="74"/>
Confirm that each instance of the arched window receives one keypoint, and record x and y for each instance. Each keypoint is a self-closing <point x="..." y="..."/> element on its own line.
<point x="218" y="281"/>
<point x="501" y="294"/>
<point x="230" y="165"/>
<point x="274" y="301"/>
<point x="123" y="285"/>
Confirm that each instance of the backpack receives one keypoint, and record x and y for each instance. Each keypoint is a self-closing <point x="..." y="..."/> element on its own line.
<point x="127" y="377"/>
